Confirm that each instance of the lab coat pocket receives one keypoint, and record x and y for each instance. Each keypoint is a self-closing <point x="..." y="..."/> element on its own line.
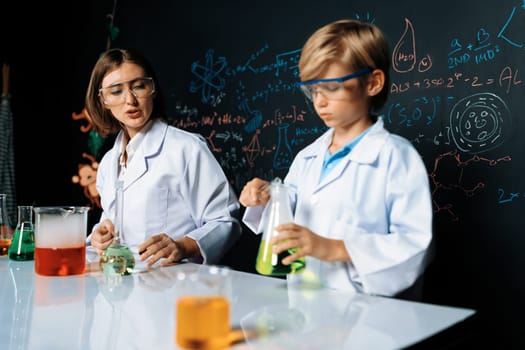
<point x="156" y="210"/>
<point x="146" y="213"/>
<point x="343" y="229"/>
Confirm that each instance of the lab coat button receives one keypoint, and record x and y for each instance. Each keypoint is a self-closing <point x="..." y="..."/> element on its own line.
<point x="314" y="200"/>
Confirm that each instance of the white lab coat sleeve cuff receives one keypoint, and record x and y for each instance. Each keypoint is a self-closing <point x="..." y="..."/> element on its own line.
<point x="252" y="218"/>
<point x="389" y="274"/>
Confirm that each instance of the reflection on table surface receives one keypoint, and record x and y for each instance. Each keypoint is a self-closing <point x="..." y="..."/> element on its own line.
<point x="94" y="311"/>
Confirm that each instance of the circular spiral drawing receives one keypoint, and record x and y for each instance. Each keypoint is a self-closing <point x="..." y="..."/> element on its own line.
<point x="479" y="122"/>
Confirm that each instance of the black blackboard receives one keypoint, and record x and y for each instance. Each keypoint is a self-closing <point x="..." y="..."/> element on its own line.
<point x="458" y="75"/>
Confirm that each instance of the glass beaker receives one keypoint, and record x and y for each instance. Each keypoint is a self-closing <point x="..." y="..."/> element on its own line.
<point x="60" y="240"/>
<point x="279" y="211"/>
<point x="6" y="230"/>
<point x="22" y="247"/>
<point x="203" y="307"/>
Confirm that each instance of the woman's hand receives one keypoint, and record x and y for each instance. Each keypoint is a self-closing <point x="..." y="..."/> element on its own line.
<point x="255" y="192"/>
<point x="102" y="237"/>
<point x="162" y="246"/>
<point x="308" y="243"/>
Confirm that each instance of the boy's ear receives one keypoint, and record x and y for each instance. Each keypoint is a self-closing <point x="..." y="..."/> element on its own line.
<point x="376" y="82"/>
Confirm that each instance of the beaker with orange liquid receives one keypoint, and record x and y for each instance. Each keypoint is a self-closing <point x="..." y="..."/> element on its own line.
<point x="60" y="240"/>
<point x="203" y="307"/>
<point x="6" y="230"/>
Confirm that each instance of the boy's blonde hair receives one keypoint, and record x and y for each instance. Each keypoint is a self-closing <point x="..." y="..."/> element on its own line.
<point x="352" y="43"/>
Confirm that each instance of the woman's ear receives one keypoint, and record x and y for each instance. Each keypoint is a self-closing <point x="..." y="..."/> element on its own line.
<point x="376" y="82"/>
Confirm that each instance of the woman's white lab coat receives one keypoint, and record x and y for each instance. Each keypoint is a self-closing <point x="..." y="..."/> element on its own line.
<point x="173" y="185"/>
<point x="377" y="200"/>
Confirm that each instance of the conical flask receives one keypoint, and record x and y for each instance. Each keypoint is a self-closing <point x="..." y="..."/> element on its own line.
<point x="283" y="155"/>
<point x="22" y="247"/>
<point x="6" y="230"/>
<point x="278" y="212"/>
<point x="118" y="259"/>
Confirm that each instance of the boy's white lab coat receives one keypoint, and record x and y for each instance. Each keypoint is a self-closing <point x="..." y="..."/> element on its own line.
<point x="377" y="200"/>
<point x="173" y="185"/>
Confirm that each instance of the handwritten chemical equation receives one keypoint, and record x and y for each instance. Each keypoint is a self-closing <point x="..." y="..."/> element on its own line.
<point x="504" y="197"/>
<point x="454" y="179"/>
<point x="506" y="79"/>
<point x="479" y="52"/>
<point x="193" y="121"/>
<point x="477" y="123"/>
<point x="482" y="49"/>
<point x="255" y="119"/>
<point x="411" y="113"/>
<point x="215" y="74"/>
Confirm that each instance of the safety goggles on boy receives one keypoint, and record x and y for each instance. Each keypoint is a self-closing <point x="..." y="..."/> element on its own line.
<point x="331" y="89"/>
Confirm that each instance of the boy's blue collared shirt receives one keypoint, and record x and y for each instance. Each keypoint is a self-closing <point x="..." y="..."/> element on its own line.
<point x="331" y="160"/>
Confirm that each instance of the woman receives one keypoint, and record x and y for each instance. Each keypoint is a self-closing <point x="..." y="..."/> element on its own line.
<point x="363" y="214"/>
<point x="178" y="203"/>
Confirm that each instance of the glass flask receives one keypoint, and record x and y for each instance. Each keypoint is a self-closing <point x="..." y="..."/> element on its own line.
<point x="6" y="230"/>
<point x="278" y="212"/>
<point x="118" y="259"/>
<point x="22" y="247"/>
<point x="283" y="155"/>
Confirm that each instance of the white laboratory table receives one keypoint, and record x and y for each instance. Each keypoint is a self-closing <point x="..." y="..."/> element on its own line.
<point x="138" y="312"/>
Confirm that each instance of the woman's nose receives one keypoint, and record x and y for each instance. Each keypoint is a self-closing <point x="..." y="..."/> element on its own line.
<point x="131" y="98"/>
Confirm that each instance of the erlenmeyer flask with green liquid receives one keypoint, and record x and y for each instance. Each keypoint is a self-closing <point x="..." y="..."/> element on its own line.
<point x="118" y="259"/>
<point x="278" y="212"/>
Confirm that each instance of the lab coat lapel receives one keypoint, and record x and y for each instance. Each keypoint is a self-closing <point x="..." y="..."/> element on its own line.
<point x="136" y="168"/>
<point x="365" y="152"/>
<point x="316" y="153"/>
<point x="149" y="147"/>
<point x="112" y="174"/>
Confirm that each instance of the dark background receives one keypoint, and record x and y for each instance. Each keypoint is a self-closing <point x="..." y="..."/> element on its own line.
<point x="227" y="72"/>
